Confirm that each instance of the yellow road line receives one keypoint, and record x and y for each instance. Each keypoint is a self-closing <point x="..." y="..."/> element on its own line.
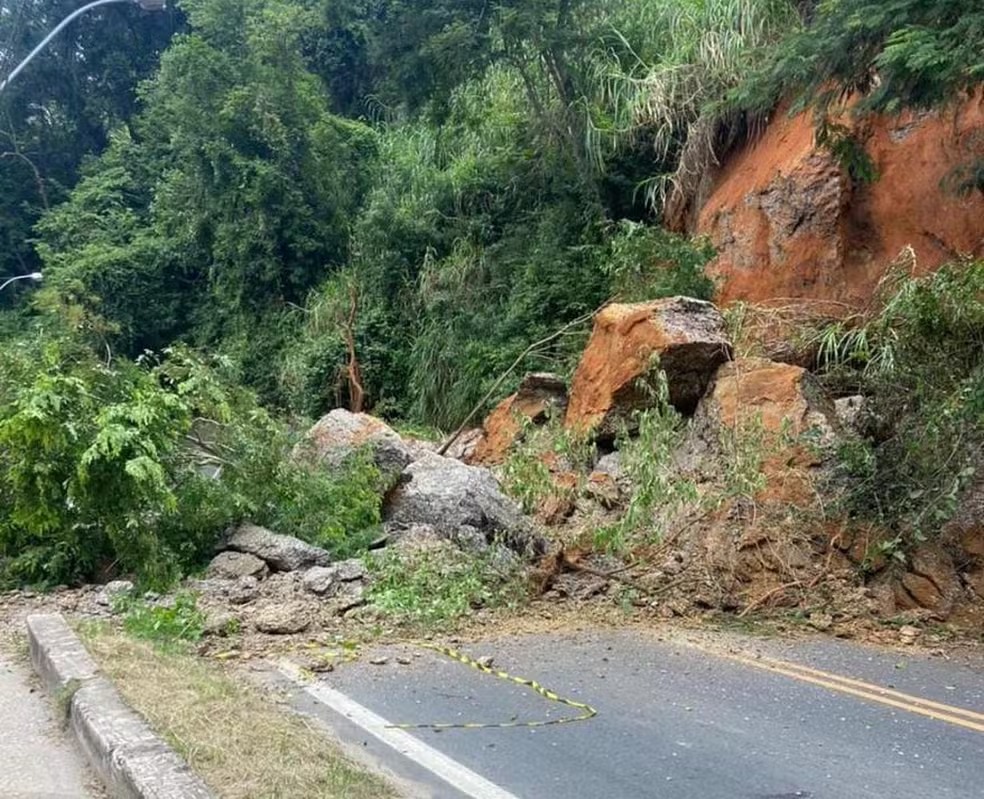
<point x="961" y="717"/>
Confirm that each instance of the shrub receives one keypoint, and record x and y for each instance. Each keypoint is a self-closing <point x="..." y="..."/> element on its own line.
<point x="138" y="468"/>
<point x="437" y="584"/>
<point x="920" y="362"/>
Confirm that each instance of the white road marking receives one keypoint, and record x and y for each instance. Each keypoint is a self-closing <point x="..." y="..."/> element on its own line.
<point x="449" y="770"/>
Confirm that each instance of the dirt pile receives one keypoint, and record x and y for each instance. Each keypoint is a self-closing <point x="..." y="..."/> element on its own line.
<point x="759" y="467"/>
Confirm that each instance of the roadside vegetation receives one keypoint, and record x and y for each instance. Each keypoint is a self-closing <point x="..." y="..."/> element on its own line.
<point x="238" y="741"/>
<point x="248" y="214"/>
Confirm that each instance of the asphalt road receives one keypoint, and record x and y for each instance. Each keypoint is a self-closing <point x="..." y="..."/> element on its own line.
<point x="729" y="719"/>
<point x="35" y="759"/>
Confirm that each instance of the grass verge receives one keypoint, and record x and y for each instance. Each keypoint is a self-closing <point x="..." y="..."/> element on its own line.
<point x="237" y="740"/>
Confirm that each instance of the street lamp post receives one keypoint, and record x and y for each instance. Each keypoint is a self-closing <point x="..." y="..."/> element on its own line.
<point x="146" y="5"/>
<point x="36" y="276"/>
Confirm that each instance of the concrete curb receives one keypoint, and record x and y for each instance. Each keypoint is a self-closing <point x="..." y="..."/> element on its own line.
<point x="127" y="755"/>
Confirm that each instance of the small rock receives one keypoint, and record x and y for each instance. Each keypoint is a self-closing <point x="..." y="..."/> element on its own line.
<point x="381" y="660"/>
<point x="908" y="634"/>
<point x="602" y="488"/>
<point x="243" y="590"/>
<point x="220" y="624"/>
<point x="282" y="619"/>
<point x="349" y="570"/>
<point x="233" y="565"/>
<point x="403" y="660"/>
<point x="821" y="621"/>
<point x="112" y="591"/>
<point x="321" y="580"/>
<point x="485" y="661"/>
<point x="347" y="597"/>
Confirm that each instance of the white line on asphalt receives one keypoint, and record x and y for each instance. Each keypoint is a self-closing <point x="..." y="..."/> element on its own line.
<point x="451" y="771"/>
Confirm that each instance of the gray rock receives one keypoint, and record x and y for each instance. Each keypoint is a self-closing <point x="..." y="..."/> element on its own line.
<point x="412" y="536"/>
<point x="347" y="596"/>
<point x="285" y="619"/>
<point x="233" y="565"/>
<point x="113" y="591"/>
<point x="610" y="464"/>
<point x="243" y="590"/>
<point x="325" y="580"/>
<point x="341" y="433"/>
<point x="457" y="500"/>
<point x="281" y="552"/>
<point x="321" y="580"/>
<point x="848" y="409"/>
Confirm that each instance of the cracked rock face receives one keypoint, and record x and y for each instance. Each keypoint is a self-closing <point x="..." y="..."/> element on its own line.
<point x="787" y="223"/>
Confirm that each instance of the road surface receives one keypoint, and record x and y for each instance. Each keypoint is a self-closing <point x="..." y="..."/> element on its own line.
<point x="717" y="720"/>
<point x="35" y="759"/>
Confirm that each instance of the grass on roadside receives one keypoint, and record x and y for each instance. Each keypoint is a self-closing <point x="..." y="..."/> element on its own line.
<point x="237" y="740"/>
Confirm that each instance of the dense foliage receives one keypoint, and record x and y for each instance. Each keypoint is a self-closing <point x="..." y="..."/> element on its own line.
<point x="140" y="467"/>
<point x="920" y="362"/>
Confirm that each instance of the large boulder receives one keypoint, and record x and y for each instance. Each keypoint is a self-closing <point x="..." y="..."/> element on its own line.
<point x="688" y="337"/>
<point x="459" y="501"/>
<point x="233" y="565"/>
<point x="341" y="433"/>
<point x="774" y="417"/>
<point x="538" y="395"/>
<point x="280" y="552"/>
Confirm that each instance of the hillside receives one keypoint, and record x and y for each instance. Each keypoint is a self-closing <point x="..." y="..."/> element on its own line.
<point x="711" y="271"/>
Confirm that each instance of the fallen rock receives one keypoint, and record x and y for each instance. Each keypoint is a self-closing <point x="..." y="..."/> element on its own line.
<point x="285" y="619"/>
<point x="412" y="536"/>
<point x="347" y="596"/>
<point x="909" y="634"/>
<point x="456" y="500"/>
<point x="932" y="579"/>
<point x="320" y="580"/>
<point x="243" y="590"/>
<point x="610" y="464"/>
<point x="113" y="591"/>
<point x="233" y="565"/>
<point x="349" y="570"/>
<point x="539" y="395"/>
<point x="280" y="552"/>
<point x="219" y="624"/>
<point x="687" y="335"/>
<point x="341" y="434"/>
<point x="775" y="411"/>
<point x="848" y="409"/>
<point x="463" y="447"/>
<point x="602" y="488"/>
<point x="554" y="509"/>
<point x="325" y="580"/>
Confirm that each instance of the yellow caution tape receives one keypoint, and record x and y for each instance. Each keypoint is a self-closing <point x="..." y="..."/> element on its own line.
<point x="588" y="712"/>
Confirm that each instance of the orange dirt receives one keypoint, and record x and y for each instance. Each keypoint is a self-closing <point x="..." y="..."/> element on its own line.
<point x="787" y="223"/>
